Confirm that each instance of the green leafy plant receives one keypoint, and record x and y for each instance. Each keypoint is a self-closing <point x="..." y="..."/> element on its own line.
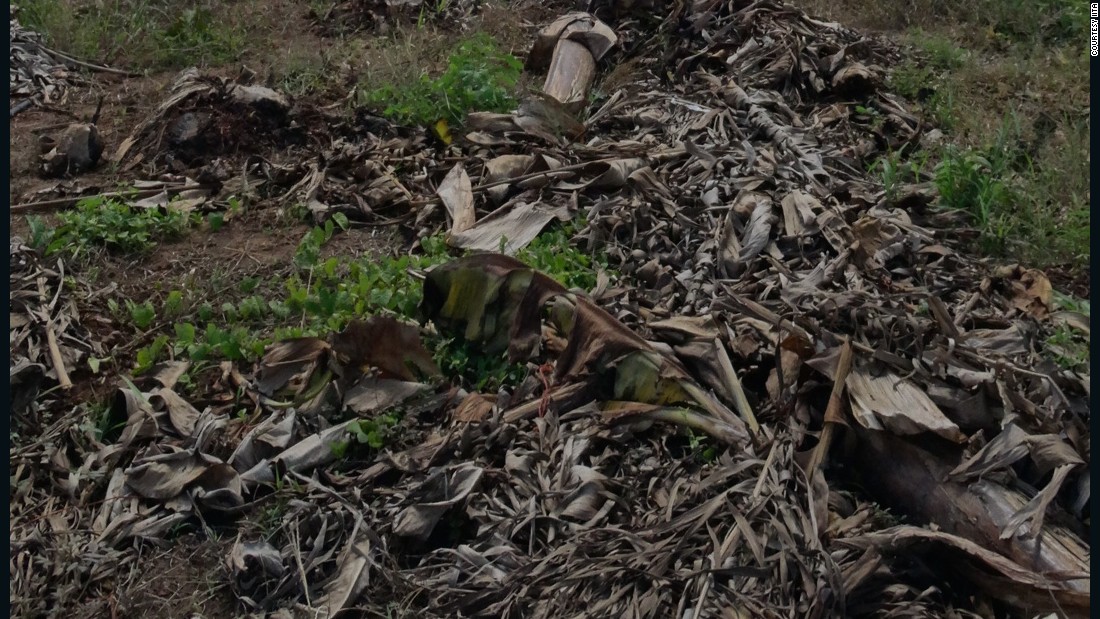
<point x="324" y="295"/>
<point x="702" y="446"/>
<point x="41" y="232"/>
<point x="173" y="304"/>
<point x="149" y="355"/>
<point x="112" y="225"/>
<point x="554" y="253"/>
<point x="478" y="77"/>
<point x="374" y="432"/>
<point x="309" y="249"/>
<point x="142" y="314"/>
<point x="475" y="369"/>
<point x="1068" y="348"/>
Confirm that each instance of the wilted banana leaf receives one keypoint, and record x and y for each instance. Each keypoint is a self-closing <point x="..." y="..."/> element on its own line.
<point x="490" y="299"/>
<point x="513" y="228"/>
<point x="353" y="573"/>
<point x="499" y="302"/>
<point x="288" y="366"/>
<point x="458" y="197"/>
<point x="187" y="476"/>
<point x="381" y="342"/>
<point x="442" y="491"/>
<point x="255" y="569"/>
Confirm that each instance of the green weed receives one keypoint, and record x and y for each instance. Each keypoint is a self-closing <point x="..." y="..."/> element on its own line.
<point x="197" y="37"/>
<point x="942" y="52"/>
<point x="910" y="80"/>
<point x="702" y="446"/>
<point x="975" y="182"/>
<point x="978" y="62"/>
<point x="319" y="8"/>
<point x="309" y="249"/>
<point x="215" y="221"/>
<point x="311" y="71"/>
<point x="173" y="304"/>
<point x="479" y="77"/>
<point x="1069" y="349"/>
<point x="889" y="169"/>
<point x="99" y="422"/>
<point x="150" y="355"/>
<point x="1056" y="184"/>
<point x="1035" y="21"/>
<point x="100" y="223"/>
<point x="922" y="85"/>
<point x="270" y="518"/>
<point x="1036" y="209"/>
<point x="554" y="253"/>
<point x="1072" y="304"/>
<point x="142" y="314"/>
<point x="475" y="369"/>
<point x="374" y="432"/>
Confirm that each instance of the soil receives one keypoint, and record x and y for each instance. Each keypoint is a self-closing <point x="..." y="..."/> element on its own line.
<point x="184" y="581"/>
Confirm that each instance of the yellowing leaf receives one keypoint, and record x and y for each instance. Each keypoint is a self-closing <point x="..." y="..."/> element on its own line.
<point x="443" y="131"/>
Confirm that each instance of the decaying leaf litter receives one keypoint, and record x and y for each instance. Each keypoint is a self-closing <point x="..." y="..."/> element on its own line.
<point x="834" y="343"/>
<point x="35" y="71"/>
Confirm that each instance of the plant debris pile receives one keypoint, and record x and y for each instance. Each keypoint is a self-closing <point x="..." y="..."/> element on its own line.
<point x="34" y="71"/>
<point x="784" y="349"/>
<point x="205" y="117"/>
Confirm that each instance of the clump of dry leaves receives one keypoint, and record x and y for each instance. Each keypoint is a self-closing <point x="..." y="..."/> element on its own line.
<point x="831" y="341"/>
<point x="35" y="71"/>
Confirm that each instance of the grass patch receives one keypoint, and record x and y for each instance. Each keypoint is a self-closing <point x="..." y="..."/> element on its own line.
<point x="1031" y="21"/>
<point x="302" y="71"/>
<point x="924" y="86"/>
<point x="478" y="77"/>
<point x="99" y="223"/>
<point x="974" y="182"/>
<point x="942" y="53"/>
<point x="1002" y="79"/>
<point x="142" y="33"/>
<point x="1026" y="205"/>
<point x="980" y="22"/>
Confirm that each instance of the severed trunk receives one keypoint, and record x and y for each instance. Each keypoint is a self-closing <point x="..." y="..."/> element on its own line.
<point x="571" y="73"/>
<point x="914" y="480"/>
